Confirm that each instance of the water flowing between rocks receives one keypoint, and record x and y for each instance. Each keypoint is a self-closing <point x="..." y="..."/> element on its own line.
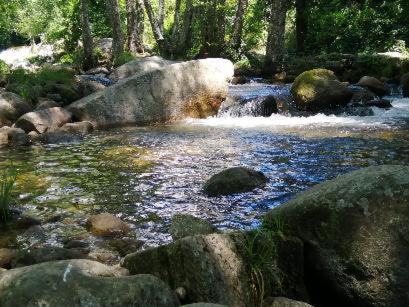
<point x="147" y="174"/>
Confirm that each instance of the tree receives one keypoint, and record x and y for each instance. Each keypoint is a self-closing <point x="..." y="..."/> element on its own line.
<point x="115" y="21"/>
<point x="301" y="24"/>
<point x="275" y="49"/>
<point x="156" y="26"/>
<point x="89" y="60"/>
<point x="236" y="40"/>
<point x="213" y="27"/>
<point x="135" y="25"/>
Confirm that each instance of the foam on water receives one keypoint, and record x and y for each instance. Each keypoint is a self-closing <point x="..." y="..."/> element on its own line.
<point x="381" y="119"/>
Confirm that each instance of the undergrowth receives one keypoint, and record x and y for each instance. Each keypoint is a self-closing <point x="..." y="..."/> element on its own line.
<point x="7" y="182"/>
<point x="260" y="253"/>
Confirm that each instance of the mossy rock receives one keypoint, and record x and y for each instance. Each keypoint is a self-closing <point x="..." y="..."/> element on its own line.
<point x="355" y="231"/>
<point x="319" y="89"/>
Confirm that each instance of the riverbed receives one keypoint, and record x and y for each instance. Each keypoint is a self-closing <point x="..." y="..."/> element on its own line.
<point x="144" y="175"/>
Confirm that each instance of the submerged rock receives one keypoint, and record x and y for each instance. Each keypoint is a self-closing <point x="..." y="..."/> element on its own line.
<point x="81" y="283"/>
<point x="106" y="225"/>
<point x="188" y="89"/>
<point x="81" y="128"/>
<point x="355" y="232"/>
<point x="44" y="120"/>
<point x="319" y="89"/>
<point x="184" y="225"/>
<point x="234" y="180"/>
<point x="374" y="85"/>
<point x="139" y="66"/>
<point x="12" y="107"/>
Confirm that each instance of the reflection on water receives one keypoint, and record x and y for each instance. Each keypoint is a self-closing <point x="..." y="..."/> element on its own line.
<point x="145" y="175"/>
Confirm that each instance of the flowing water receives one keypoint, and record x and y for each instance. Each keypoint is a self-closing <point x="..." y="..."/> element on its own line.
<point x="146" y="174"/>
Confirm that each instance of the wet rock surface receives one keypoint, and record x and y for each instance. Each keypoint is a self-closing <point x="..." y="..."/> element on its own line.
<point x="234" y="180"/>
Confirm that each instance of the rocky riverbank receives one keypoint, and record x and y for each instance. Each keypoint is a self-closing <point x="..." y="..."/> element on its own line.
<point x="340" y="243"/>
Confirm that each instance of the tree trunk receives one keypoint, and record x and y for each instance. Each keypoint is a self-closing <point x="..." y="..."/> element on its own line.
<point x="161" y="15"/>
<point x="275" y="50"/>
<point x="238" y="24"/>
<point x="135" y="25"/>
<point x="156" y="29"/>
<point x="88" y="61"/>
<point x="115" y="20"/>
<point x="214" y="28"/>
<point x="301" y="24"/>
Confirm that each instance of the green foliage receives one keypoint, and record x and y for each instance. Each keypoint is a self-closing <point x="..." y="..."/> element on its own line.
<point x="260" y="252"/>
<point x="7" y="181"/>
<point x="124" y="58"/>
<point x="28" y="84"/>
<point x="4" y="72"/>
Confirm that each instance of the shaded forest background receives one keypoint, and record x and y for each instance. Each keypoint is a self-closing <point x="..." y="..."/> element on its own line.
<point x="199" y="28"/>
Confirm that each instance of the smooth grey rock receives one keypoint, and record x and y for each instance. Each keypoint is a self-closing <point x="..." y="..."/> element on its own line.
<point x="188" y="89"/>
<point x="13" y="137"/>
<point x="139" y="66"/>
<point x="44" y="120"/>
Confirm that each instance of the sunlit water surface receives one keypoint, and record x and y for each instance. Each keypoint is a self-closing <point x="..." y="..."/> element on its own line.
<point x="147" y="174"/>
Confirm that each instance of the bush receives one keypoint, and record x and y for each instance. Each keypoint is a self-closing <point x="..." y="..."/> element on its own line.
<point x="124" y="58"/>
<point x="28" y="84"/>
<point x="4" y="72"/>
<point x="7" y="181"/>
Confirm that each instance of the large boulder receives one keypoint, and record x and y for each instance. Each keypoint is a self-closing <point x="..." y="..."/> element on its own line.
<point x="405" y="85"/>
<point x="355" y="231"/>
<point x="139" y="66"/>
<point x="81" y="283"/>
<point x="12" y="107"/>
<point x="188" y="89"/>
<point x="319" y="89"/>
<point x="185" y="225"/>
<point x="374" y="85"/>
<point x="44" y="120"/>
<point x="208" y="267"/>
<point x="234" y="180"/>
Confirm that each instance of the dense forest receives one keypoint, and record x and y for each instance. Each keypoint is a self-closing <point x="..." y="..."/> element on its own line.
<point x="191" y="28"/>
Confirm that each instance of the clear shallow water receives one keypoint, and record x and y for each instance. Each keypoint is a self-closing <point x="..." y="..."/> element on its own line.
<point x="145" y="175"/>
